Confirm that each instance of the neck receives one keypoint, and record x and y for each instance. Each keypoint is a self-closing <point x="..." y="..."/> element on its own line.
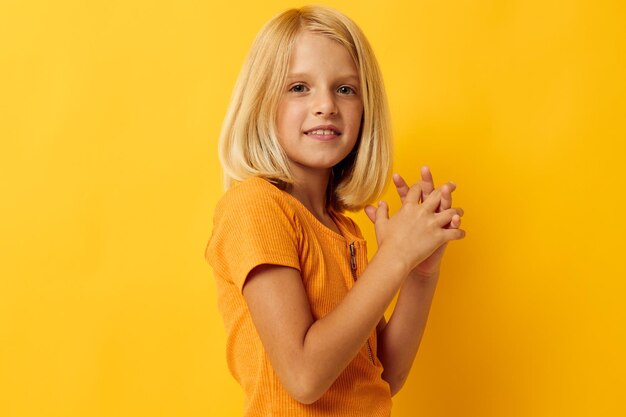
<point x="310" y="189"/>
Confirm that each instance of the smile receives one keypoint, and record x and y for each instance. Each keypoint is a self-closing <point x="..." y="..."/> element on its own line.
<point x="323" y="134"/>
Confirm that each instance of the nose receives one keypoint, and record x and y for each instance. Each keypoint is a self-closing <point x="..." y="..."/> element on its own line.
<point x="324" y="104"/>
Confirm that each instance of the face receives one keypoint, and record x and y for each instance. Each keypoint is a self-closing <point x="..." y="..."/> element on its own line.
<point x="319" y="114"/>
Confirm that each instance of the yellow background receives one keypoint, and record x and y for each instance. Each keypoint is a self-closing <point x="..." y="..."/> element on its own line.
<point x="109" y="115"/>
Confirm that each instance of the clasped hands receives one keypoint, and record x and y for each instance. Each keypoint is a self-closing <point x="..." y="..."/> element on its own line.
<point x="429" y="268"/>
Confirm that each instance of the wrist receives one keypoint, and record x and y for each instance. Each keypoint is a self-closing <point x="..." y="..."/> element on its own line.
<point x="395" y="263"/>
<point x="423" y="277"/>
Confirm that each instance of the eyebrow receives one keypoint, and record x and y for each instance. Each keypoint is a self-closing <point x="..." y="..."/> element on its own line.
<point x="342" y="76"/>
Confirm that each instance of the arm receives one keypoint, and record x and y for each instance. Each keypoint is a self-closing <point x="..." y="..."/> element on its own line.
<point x="309" y="355"/>
<point x="399" y="340"/>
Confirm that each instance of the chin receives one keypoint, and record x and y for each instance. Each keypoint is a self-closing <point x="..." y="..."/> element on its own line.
<point x="322" y="162"/>
<point x="324" y="165"/>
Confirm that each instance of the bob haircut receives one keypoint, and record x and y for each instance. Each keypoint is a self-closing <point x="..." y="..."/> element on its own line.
<point x="248" y="144"/>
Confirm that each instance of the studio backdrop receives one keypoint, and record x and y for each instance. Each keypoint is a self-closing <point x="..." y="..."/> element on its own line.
<point x="109" y="119"/>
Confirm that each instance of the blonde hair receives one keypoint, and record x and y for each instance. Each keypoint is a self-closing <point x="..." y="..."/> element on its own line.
<point x="248" y="144"/>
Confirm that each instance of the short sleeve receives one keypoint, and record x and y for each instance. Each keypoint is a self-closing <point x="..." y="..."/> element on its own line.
<point x="252" y="226"/>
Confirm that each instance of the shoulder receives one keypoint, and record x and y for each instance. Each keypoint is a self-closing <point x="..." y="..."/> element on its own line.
<point x="252" y="225"/>
<point x="253" y="195"/>
<point x="252" y="191"/>
<point x="253" y="186"/>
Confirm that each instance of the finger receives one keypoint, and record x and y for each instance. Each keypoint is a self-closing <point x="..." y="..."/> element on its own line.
<point x="456" y="222"/>
<point x="401" y="186"/>
<point x="454" y="234"/>
<point x="382" y="212"/>
<point x="415" y="193"/>
<point x="427" y="182"/>
<point x="433" y="200"/>
<point x="446" y="196"/>
<point x="371" y="213"/>
<point x="449" y="216"/>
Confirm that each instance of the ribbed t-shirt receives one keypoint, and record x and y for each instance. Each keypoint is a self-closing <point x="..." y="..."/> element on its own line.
<point x="257" y="223"/>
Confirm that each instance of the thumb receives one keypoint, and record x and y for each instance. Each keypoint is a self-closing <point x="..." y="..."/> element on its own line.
<point x="371" y="213"/>
<point x="382" y="212"/>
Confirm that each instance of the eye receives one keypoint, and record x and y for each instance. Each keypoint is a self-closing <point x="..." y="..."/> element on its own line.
<point x="344" y="89"/>
<point x="298" y="88"/>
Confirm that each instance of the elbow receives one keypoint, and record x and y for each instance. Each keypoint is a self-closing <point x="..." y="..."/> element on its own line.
<point x="394" y="388"/>
<point x="395" y="382"/>
<point x="307" y="393"/>
<point x="305" y="388"/>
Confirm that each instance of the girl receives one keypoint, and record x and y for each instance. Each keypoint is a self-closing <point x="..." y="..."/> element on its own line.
<point x="307" y="137"/>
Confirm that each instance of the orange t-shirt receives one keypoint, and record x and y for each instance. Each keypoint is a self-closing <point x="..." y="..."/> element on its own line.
<point x="256" y="223"/>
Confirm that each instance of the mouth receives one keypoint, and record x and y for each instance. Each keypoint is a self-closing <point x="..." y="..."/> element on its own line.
<point x="323" y="132"/>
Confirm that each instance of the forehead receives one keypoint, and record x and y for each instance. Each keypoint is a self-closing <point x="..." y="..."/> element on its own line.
<point x="313" y="53"/>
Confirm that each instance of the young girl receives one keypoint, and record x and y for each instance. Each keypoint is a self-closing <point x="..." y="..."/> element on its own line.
<point x="307" y="137"/>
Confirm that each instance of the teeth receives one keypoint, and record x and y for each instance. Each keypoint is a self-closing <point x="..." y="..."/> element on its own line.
<point x="322" y="132"/>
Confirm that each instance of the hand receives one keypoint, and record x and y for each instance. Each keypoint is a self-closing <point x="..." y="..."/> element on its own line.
<point x="416" y="231"/>
<point x="429" y="267"/>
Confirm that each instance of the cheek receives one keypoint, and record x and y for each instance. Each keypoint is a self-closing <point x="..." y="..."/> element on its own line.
<point x="356" y="117"/>
<point x="355" y="111"/>
<point x="287" y="118"/>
